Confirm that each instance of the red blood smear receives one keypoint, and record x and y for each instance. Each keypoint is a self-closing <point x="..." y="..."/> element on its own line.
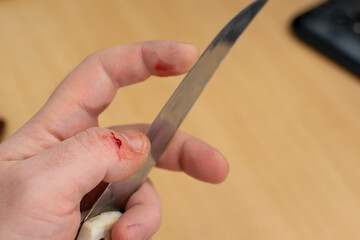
<point x="162" y="66"/>
<point x="117" y="141"/>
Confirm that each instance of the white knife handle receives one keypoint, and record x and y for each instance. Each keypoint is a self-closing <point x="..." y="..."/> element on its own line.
<point x="98" y="227"/>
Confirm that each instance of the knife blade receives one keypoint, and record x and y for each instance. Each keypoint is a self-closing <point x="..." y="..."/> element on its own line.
<point x="176" y="108"/>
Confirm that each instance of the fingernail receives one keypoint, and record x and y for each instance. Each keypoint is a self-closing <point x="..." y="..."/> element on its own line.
<point x="135" y="139"/>
<point x="135" y="232"/>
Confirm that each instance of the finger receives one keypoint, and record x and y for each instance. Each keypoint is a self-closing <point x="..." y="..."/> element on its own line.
<point x="142" y="217"/>
<point x="191" y="155"/>
<point x="86" y="92"/>
<point x="89" y="89"/>
<point x="66" y="172"/>
<point x="195" y="157"/>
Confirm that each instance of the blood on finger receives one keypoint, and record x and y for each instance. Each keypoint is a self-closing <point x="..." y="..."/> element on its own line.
<point x="162" y="66"/>
<point x="121" y="143"/>
<point x="116" y="140"/>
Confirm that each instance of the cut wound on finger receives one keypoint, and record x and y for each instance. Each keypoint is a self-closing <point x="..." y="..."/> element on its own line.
<point x="130" y="145"/>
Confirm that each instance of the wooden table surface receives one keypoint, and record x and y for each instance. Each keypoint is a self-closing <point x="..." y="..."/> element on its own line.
<point x="287" y="118"/>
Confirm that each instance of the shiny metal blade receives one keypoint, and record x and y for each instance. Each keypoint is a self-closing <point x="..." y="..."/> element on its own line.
<point x="175" y="110"/>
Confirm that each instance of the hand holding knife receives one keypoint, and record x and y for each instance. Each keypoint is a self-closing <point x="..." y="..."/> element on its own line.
<point x="165" y="125"/>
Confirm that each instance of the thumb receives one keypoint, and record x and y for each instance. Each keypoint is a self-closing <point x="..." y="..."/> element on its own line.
<point x="72" y="168"/>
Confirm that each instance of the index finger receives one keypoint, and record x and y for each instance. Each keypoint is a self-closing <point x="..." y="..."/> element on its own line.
<point x="89" y="89"/>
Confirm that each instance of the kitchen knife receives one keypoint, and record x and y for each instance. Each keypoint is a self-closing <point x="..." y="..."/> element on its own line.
<point x="166" y="123"/>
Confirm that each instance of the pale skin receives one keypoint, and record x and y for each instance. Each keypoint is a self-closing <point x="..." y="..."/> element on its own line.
<point x="61" y="154"/>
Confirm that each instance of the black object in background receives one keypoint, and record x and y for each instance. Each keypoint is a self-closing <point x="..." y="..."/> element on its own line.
<point x="333" y="28"/>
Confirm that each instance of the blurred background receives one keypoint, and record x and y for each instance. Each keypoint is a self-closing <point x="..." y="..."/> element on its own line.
<point x="286" y="116"/>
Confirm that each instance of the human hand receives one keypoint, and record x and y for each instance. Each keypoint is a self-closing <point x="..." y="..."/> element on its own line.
<point x="61" y="154"/>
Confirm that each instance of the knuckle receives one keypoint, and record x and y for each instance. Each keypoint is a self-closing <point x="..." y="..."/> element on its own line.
<point x="96" y="64"/>
<point x="93" y="56"/>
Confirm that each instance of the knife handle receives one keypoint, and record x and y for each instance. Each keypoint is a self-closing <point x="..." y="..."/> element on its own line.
<point x="97" y="224"/>
<point x="99" y="227"/>
<point x="114" y="197"/>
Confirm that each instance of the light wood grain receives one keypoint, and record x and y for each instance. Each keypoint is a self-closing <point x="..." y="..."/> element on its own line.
<point x="287" y="118"/>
